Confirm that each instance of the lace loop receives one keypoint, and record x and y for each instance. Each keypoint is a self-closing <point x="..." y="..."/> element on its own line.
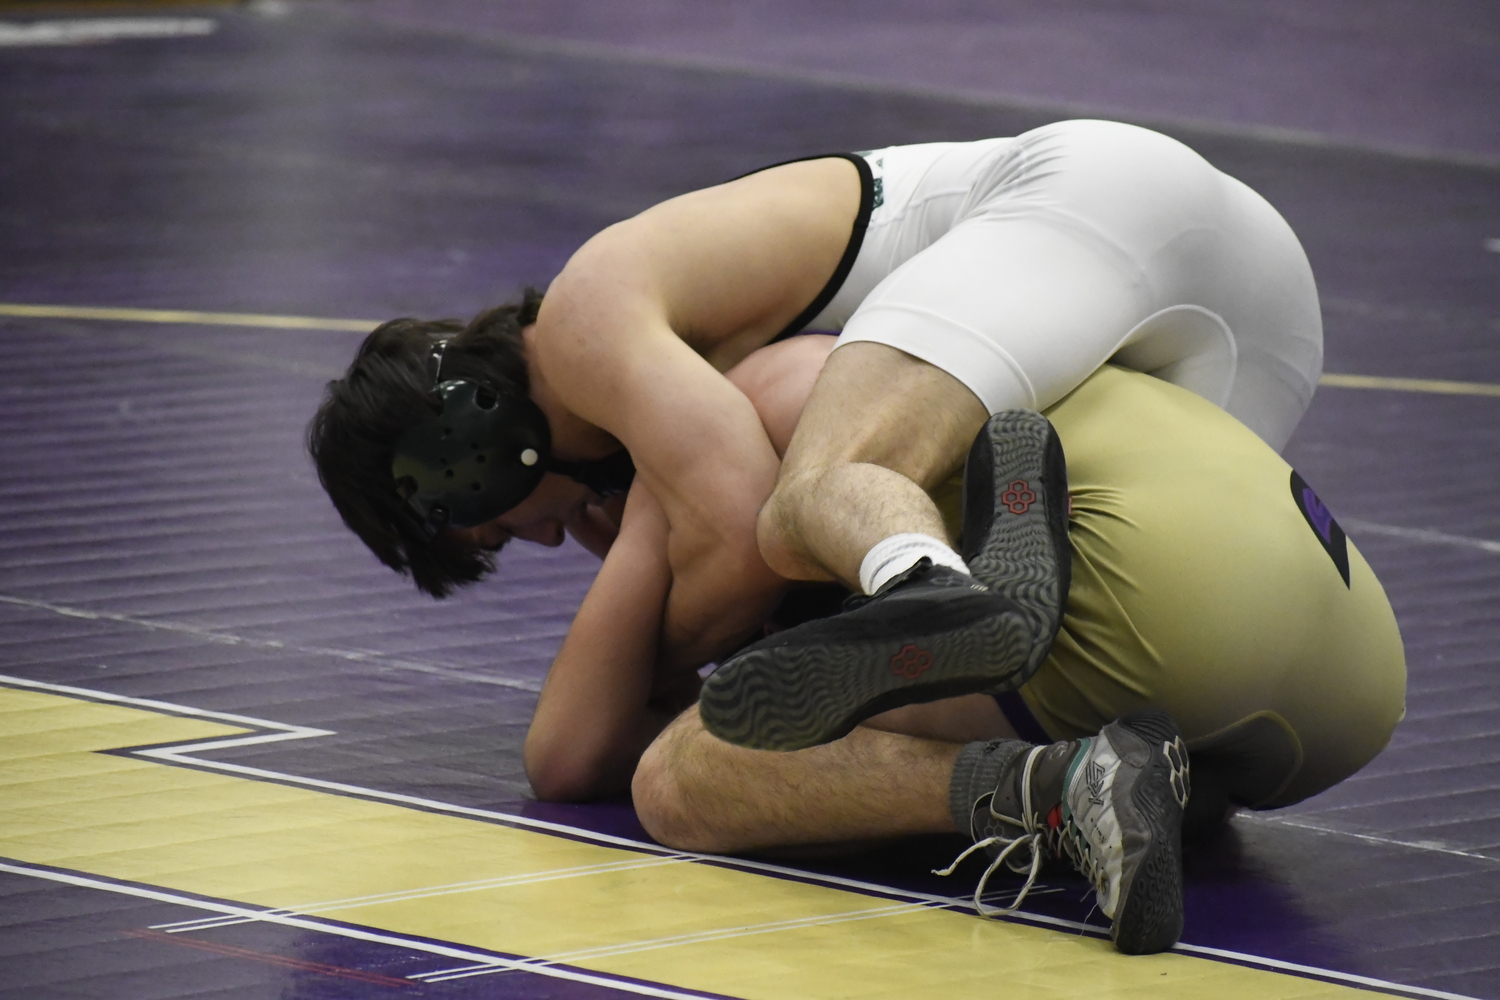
<point x="1036" y="836"/>
<point x="1078" y="852"/>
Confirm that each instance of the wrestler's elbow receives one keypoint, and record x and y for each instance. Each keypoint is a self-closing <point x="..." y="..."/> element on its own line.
<point x="556" y="781"/>
<point x="560" y="771"/>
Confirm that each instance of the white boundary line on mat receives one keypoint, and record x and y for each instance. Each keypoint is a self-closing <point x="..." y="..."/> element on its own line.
<point x="277" y="731"/>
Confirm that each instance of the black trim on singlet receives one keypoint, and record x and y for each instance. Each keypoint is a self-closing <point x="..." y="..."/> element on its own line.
<point x="856" y="237"/>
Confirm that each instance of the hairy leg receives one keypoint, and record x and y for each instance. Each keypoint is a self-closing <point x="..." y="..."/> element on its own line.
<point x="881" y="428"/>
<point x="695" y="792"/>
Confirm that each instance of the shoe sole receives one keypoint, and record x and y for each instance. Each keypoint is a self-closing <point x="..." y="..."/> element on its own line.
<point x="1148" y="916"/>
<point x="791" y="697"/>
<point x="1015" y="521"/>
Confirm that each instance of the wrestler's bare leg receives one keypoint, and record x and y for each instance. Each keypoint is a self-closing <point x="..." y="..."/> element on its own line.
<point x="880" y="429"/>
<point x="696" y="792"/>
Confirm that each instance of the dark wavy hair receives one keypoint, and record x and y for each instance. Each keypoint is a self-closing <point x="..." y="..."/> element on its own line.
<point x="388" y="389"/>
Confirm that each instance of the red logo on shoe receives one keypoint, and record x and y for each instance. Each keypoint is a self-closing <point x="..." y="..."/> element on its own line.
<point x="1018" y="498"/>
<point x="911" y="662"/>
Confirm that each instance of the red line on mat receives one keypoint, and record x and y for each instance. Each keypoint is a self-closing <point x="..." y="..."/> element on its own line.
<point x="261" y="956"/>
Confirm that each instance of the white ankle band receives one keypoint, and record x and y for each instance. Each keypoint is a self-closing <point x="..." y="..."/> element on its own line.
<point x="899" y="553"/>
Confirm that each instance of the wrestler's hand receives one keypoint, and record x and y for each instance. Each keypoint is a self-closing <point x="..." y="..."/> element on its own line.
<point x="597" y="524"/>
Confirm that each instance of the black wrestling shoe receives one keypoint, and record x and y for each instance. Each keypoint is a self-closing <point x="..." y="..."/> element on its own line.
<point x="1015" y="531"/>
<point x="930" y="633"/>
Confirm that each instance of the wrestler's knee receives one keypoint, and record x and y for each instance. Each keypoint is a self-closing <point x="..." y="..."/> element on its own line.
<point x="776" y="527"/>
<point x="668" y="789"/>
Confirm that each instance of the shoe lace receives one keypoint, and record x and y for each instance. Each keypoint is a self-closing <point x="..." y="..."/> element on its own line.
<point x="1038" y="835"/>
<point x="1077" y="848"/>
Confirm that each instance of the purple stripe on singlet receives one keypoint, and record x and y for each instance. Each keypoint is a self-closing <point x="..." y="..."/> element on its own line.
<point x="1013" y="707"/>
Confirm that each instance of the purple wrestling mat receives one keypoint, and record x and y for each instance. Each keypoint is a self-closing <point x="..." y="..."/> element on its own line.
<point x="164" y="538"/>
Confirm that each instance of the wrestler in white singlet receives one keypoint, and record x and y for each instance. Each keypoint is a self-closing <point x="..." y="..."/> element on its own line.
<point x="1021" y="265"/>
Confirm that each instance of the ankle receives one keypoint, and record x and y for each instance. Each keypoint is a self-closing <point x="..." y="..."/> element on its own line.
<point x="976" y="775"/>
<point x="892" y="556"/>
<point x="1046" y="777"/>
<point x="988" y="794"/>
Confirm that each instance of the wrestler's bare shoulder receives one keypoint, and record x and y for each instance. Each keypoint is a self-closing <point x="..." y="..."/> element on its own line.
<point x="724" y="268"/>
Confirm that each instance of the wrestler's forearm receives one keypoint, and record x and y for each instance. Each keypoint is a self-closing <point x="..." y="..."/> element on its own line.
<point x="597" y="525"/>
<point x="585" y="769"/>
<point x="591" y="726"/>
<point x="595" y="715"/>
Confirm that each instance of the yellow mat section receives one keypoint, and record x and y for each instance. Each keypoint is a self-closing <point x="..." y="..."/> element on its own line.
<point x="186" y="316"/>
<point x="666" y="920"/>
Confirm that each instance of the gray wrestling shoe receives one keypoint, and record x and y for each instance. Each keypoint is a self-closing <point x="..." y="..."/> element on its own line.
<point x="1015" y="523"/>
<point x="930" y="633"/>
<point x="1122" y="816"/>
<point x="1115" y="811"/>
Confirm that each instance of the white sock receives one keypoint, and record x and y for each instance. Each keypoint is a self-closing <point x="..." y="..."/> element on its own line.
<point x="899" y="553"/>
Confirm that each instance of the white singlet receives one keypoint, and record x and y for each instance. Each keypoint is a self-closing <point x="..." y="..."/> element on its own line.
<point x="1019" y="266"/>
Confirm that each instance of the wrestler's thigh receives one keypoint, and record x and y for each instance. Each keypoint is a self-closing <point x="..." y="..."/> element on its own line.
<point x="1285" y="679"/>
<point x="1019" y="310"/>
<point x="879" y="405"/>
<point x="1345" y="713"/>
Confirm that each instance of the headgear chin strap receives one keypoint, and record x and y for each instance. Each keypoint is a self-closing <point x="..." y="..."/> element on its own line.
<point x="481" y="454"/>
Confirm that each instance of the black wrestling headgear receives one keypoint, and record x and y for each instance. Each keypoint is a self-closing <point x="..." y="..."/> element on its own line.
<point x="481" y="454"/>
